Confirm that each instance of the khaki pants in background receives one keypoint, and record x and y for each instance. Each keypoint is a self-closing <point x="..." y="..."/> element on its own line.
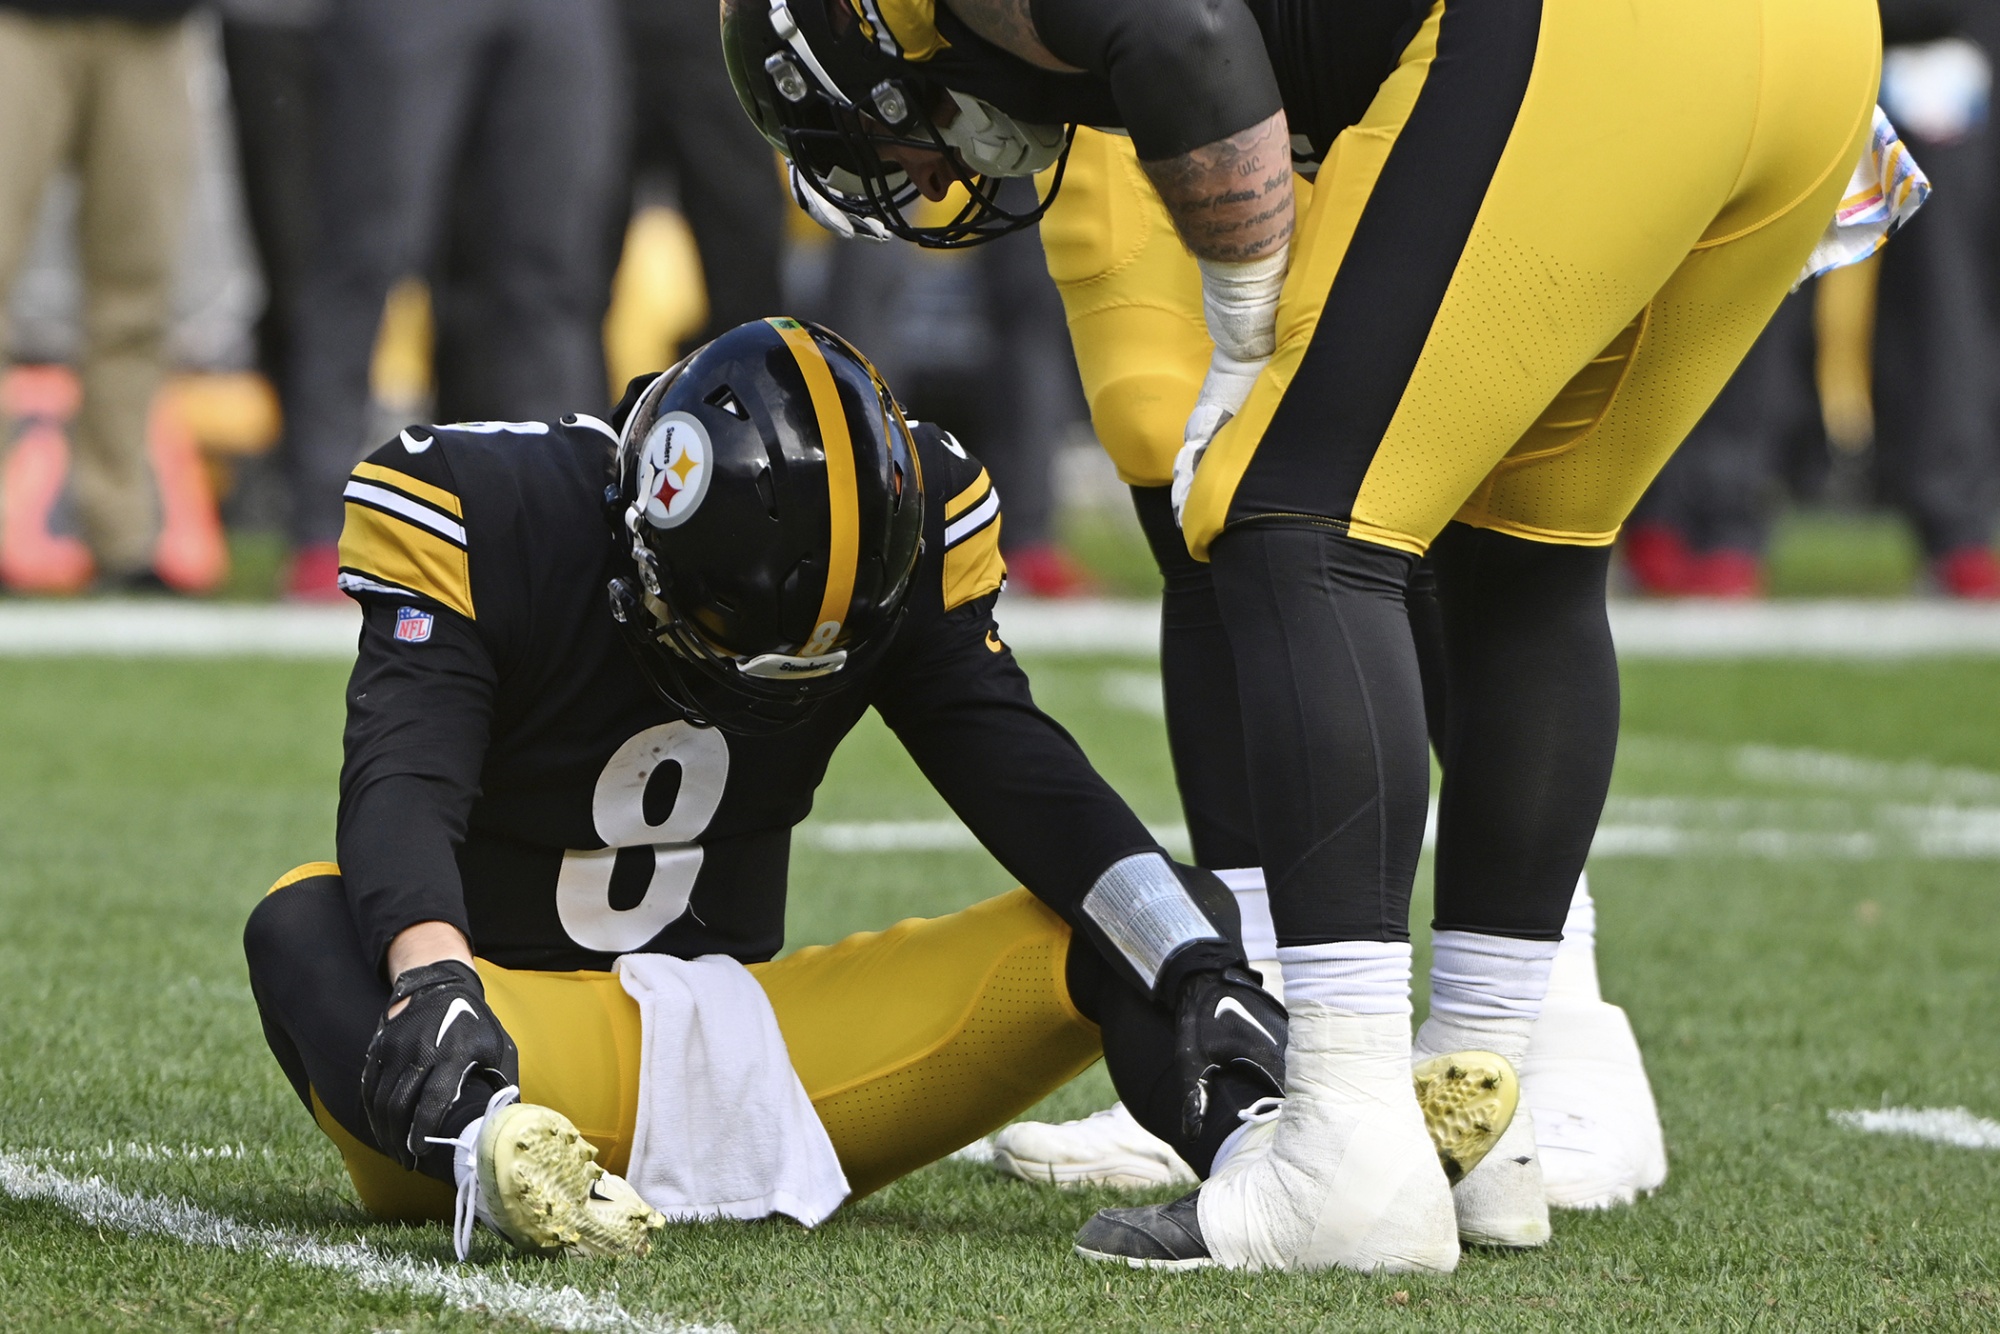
<point x="110" y="98"/>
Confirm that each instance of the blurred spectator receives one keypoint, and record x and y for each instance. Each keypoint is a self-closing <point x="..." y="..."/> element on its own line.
<point x="491" y="129"/>
<point x="975" y="341"/>
<point x="268" y="48"/>
<point x="102" y="86"/>
<point x="1704" y="528"/>
<point x="686" y="122"/>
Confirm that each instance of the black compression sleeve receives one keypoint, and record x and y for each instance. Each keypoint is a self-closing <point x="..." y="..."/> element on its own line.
<point x="417" y="723"/>
<point x="1019" y="781"/>
<point x="1183" y="72"/>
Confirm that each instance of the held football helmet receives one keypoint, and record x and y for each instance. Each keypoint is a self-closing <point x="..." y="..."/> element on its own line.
<point x="770" y="504"/>
<point x="829" y="89"/>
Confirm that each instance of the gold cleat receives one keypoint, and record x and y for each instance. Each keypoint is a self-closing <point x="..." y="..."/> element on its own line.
<point x="1468" y="1099"/>
<point x="541" y="1188"/>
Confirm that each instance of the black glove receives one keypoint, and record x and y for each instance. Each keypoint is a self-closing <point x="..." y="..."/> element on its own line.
<point x="419" y="1062"/>
<point x="1226" y="1024"/>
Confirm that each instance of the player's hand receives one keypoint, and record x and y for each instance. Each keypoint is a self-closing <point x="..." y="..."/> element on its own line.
<point x="840" y="223"/>
<point x="419" y="1060"/>
<point x="1226" y="1023"/>
<point x="1223" y="392"/>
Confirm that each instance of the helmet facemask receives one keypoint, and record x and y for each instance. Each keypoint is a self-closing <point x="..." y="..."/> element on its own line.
<point x="836" y="141"/>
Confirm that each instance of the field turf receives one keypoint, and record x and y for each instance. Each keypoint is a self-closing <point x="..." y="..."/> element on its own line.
<point x="1796" y="899"/>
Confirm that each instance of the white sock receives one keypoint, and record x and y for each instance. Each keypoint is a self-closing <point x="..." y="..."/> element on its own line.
<point x="1357" y="976"/>
<point x="1260" y="937"/>
<point x="1478" y="978"/>
<point x="1574" y="974"/>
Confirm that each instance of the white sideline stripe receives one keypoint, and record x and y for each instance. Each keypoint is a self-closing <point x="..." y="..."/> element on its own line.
<point x="1833" y="629"/>
<point x="100" y="1204"/>
<point x="1941" y="1125"/>
<point x="930" y="836"/>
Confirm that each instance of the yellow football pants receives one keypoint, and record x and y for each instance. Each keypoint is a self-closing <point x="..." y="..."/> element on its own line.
<point x="911" y="1042"/>
<point x="1669" y="167"/>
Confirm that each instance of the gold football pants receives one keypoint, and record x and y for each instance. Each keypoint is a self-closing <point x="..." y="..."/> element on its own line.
<point x="911" y="1042"/>
<point x="1515" y="285"/>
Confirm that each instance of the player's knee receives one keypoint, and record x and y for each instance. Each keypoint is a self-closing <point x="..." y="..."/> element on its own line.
<point x="284" y="926"/>
<point x="1140" y="420"/>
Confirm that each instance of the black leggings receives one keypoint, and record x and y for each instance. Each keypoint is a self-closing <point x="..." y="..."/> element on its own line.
<point x="1334" y="716"/>
<point x="1198" y="673"/>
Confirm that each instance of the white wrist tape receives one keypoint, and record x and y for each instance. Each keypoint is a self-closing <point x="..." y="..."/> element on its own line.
<point x="1240" y="303"/>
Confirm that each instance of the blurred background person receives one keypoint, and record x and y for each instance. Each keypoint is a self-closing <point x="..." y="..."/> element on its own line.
<point x="689" y="136"/>
<point x="975" y="341"/>
<point x="1905" y="350"/>
<point x="102" y="87"/>
<point x="478" y="143"/>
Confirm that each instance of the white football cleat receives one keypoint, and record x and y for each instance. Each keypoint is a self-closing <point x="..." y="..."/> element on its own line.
<point x="526" y="1172"/>
<point x="1346" y="1175"/>
<point x="1107" y="1148"/>
<point x="1596" y="1125"/>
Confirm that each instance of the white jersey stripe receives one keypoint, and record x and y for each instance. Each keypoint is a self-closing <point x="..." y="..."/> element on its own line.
<point x="973" y="519"/>
<point x="397" y="503"/>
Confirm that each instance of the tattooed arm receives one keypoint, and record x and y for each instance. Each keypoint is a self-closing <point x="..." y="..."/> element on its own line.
<point x="1194" y="87"/>
<point x="1009" y="25"/>
<point x="1231" y="200"/>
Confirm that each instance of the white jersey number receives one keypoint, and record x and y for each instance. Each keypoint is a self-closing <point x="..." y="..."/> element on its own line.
<point x="618" y="808"/>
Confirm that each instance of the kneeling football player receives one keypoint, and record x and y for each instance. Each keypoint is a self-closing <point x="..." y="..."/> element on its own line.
<point x="602" y="669"/>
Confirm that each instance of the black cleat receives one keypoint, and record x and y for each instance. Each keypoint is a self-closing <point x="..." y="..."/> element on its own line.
<point x="1153" y="1236"/>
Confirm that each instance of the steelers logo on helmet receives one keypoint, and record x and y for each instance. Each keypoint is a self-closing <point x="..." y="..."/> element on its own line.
<point x="675" y="468"/>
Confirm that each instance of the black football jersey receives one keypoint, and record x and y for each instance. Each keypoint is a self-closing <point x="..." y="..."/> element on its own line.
<point x="508" y="769"/>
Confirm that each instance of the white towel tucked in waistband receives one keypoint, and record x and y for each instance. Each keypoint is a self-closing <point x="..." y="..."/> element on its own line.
<point x="1886" y="189"/>
<point x="725" y="1128"/>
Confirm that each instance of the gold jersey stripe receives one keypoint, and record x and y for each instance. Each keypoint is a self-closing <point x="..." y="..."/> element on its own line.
<point x="402" y="481"/>
<point x="306" y="872"/>
<point x="969" y="497"/>
<point x="844" y="547"/>
<point x="395" y="551"/>
<point x="974" y="567"/>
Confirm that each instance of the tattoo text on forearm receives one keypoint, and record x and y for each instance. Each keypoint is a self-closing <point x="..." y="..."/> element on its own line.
<point x="1232" y="199"/>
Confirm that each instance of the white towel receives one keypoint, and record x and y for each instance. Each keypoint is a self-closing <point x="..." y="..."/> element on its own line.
<point x="1886" y="189"/>
<point x="725" y="1128"/>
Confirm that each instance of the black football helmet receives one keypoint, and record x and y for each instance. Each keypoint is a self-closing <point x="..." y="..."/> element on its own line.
<point x="827" y="86"/>
<point x="771" y="509"/>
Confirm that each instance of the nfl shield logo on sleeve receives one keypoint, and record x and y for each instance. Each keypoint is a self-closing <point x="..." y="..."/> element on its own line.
<point x="412" y="626"/>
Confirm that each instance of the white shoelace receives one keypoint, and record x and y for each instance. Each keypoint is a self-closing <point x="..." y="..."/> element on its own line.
<point x="1256" y="1114"/>
<point x="465" y="1170"/>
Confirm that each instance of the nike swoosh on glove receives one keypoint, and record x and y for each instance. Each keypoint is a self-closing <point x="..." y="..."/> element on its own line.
<point x="1223" y="392"/>
<point x="418" y="1062"/>
<point x="1226" y="1022"/>
<point x="836" y="220"/>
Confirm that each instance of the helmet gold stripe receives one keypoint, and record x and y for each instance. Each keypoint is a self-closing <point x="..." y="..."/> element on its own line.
<point x="844" y="547"/>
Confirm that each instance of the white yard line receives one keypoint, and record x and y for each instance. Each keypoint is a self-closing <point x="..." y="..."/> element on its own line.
<point x="929" y="836"/>
<point x="103" y="1205"/>
<point x="1941" y="1125"/>
<point x="1821" y="629"/>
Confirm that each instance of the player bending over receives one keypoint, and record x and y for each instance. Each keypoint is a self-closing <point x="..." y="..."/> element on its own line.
<point x="602" y="669"/>
<point x="1541" y="235"/>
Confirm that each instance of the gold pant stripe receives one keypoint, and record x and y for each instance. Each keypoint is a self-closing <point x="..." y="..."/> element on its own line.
<point x="911" y="1042"/>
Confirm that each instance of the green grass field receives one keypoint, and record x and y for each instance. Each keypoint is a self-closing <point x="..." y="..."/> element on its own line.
<point x="1800" y="919"/>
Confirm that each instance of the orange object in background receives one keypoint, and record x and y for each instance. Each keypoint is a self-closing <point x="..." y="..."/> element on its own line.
<point x="192" y="553"/>
<point x="33" y="558"/>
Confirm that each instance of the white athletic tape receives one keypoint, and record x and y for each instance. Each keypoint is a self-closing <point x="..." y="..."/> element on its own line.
<point x="1941" y="1125"/>
<point x="102" y="1205"/>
